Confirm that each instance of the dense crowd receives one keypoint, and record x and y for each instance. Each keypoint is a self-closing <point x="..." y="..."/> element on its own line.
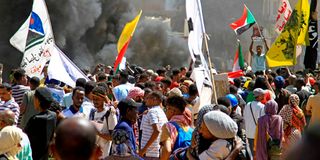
<point x="144" y="114"/>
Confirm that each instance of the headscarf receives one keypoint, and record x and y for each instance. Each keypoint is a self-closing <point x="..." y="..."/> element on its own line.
<point x="270" y="124"/>
<point x="121" y="143"/>
<point x="293" y="115"/>
<point x="135" y="92"/>
<point x="10" y="139"/>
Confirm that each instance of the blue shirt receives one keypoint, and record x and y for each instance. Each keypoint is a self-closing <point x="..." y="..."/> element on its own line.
<point x="258" y="62"/>
<point x="121" y="91"/>
<point x="126" y="125"/>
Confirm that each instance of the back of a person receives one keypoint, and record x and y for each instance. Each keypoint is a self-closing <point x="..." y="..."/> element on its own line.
<point x="18" y="92"/>
<point x="184" y="135"/>
<point x="121" y="91"/>
<point x="40" y="129"/>
<point x="29" y="110"/>
<point x="252" y="112"/>
<point x="313" y="106"/>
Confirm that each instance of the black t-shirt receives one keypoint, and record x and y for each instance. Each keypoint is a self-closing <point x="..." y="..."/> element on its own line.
<point x="3" y="157"/>
<point x="40" y="129"/>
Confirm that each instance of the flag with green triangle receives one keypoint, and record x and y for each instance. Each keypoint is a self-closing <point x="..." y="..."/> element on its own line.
<point x="244" y="22"/>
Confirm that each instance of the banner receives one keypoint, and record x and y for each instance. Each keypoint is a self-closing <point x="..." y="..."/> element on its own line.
<point x="283" y="50"/>
<point x="35" y="39"/>
<point x="284" y="13"/>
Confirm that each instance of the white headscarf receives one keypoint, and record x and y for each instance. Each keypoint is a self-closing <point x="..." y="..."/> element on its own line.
<point x="10" y="138"/>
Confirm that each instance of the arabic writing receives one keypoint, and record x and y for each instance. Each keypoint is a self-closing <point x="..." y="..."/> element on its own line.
<point x="284" y="13"/>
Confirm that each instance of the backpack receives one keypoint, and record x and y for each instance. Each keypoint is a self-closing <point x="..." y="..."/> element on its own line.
<point x="183" y="138"/>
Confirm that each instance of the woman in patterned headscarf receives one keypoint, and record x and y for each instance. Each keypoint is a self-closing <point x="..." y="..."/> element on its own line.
<point x="294" y="121"/>
<point x="10" y="142"/>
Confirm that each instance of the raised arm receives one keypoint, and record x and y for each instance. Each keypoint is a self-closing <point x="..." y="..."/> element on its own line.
<point x="251" y="47"/>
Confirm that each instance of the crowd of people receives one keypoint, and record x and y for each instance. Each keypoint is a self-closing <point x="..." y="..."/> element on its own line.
<point x="145" y="114"/>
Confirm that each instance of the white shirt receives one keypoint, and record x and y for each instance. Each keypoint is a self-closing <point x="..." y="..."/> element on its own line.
<point x="250" y="121"/>
<point x="219" y="149"/>
<point x="157" y="116"/>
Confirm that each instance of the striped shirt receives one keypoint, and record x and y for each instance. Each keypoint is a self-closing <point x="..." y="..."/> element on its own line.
<point x="157" y="116"/>
<point x="11" y="105"/>
<point x="18" y="92"/>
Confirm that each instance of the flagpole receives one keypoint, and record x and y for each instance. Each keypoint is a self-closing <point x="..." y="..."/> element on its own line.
<point x="205" y="37"/>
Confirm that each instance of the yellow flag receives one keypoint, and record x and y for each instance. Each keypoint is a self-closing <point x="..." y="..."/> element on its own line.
<point x="283" y="50"/>
<point x="128" y="31"/>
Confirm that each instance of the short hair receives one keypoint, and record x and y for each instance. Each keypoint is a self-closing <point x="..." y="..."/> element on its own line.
<point x="75" y="139"/>
<point x="193" y="90"/>
<point x="99" y="90"/>
<point x="317" y="84"/>
<point x="183" y="68"/>
<point x="300" y="81"/>
<point x="233" y="89"/>
<point x="177" y="102"/>
<point x="77" y="89"/>
<point x="224" y="101"/>
<point x="35" y="81"/>
<point x="6" y="118"/>
<point x="161" y="71"/>
<point x="222" y="108"/>
<point x="44" y="96"/>
<point x="81" y="82"/>
<point x="18" y="74"/>
<point x="147" y="91"/>
<point x="156" y="94"/>
<point x="166" y="81"/>
<point x="144" y="75"/>
<point x="237" y="82"/>
<point x="6" y="86"/>
<point x="101" y="76"/>
<point x="124" y="75"/>
<point x="150" y="84"/>
<point x="175" y="72"/>
<point x="103" y="84"/>
<point x="89" y="86"/>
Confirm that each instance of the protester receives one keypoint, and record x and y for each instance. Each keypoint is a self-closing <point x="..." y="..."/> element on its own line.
<point x="282" y="95"/>
<point x="217" y="127"/>
<point x="258" y="57"/>
<point x="252" y="112"/>
<point x="7" y="118"/>
<point x="269" y="133"/>
<point x="27" y="107"/>
<point x="293" y="122"/>
<point x="7" y="101"/>
<point x="176" y="133"/>
<point x="75" y="140"/>
<point x="151" y="125"/>
<point x="76" y="110"/>
<point x="312" y="107"/>
<point x="40" y="127"/>
<point x="67" y="98"/>
<point x="10" y="138"/>
<point x="121" y="91"/>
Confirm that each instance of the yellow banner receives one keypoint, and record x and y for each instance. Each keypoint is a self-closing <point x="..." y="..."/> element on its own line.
<point x="128" y="31"/>
<point x="283" y="50"/>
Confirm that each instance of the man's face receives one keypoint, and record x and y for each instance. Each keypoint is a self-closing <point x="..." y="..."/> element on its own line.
<point x="151" y="101"/>
<point x="98" y="101"/>
<point x="5" y="95"/>
<point x="24" y="80"/>
<point x="78" y="98"/>
<point x="132" y="114"/>
<point x="259" y="49"/>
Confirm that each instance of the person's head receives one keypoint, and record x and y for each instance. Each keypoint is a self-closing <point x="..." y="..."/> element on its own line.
<point x="115" y="80"/>
<point x="136" y="94"/>
<point x="260" y="82"/>
<point x="292" y="79"/>
<point x="7" y="118"/>
<point x="300" y="83"/>
<point x="99" y="96"/>
<point x="107" y="69"/>
<point x="258" y="94"/>
<point x="316" y="87"/>
<point x="34" y="83"/>
<point x="75" y="140"/>
<point x="89" y="86"/>
<point x="225" y="102"/>
<point x="294" y="100"/>
<point x="128" y="110"/>
<point x="193" y="91"/>
<point x="271" y="107"/>
<point x="237" y="82"/>
<point x="233" y="90"/>
<point x="217" y="125"/>
<point x="175" y="106"/>
<point x="166" y="83"/>
<point x="80" y="82"/>
<point x="124" y="77"/>
<point x="11" y="139"/>
<point x="101" y="77"/>
<point x="20" y="77"/>
<point x="183" y="71"/>
<point x="151" y="85"/>
<point x="175" y="75"/>
<point x="233" y="100"/>
<point x="143" y="78"/>
<point x="259" y="49"/>
<point x="5" y="92"/>
<point x="153" y="99"/>
<point x="42" y="99"/>
<point x="78" y="96"/>
<point x="161" y="72"/>
<point x="279" y="82"/>
<point x="174" y="92"/>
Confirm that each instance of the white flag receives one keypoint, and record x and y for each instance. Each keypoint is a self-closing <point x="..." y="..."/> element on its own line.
<point x="201" y="73"/>
<point x="63" y="69"/>
<point x="35" y="39"/>
<point x="284" y="13"/>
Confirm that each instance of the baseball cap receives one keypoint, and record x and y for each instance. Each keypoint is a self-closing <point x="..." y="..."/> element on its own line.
<point x="128" y="103"/>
